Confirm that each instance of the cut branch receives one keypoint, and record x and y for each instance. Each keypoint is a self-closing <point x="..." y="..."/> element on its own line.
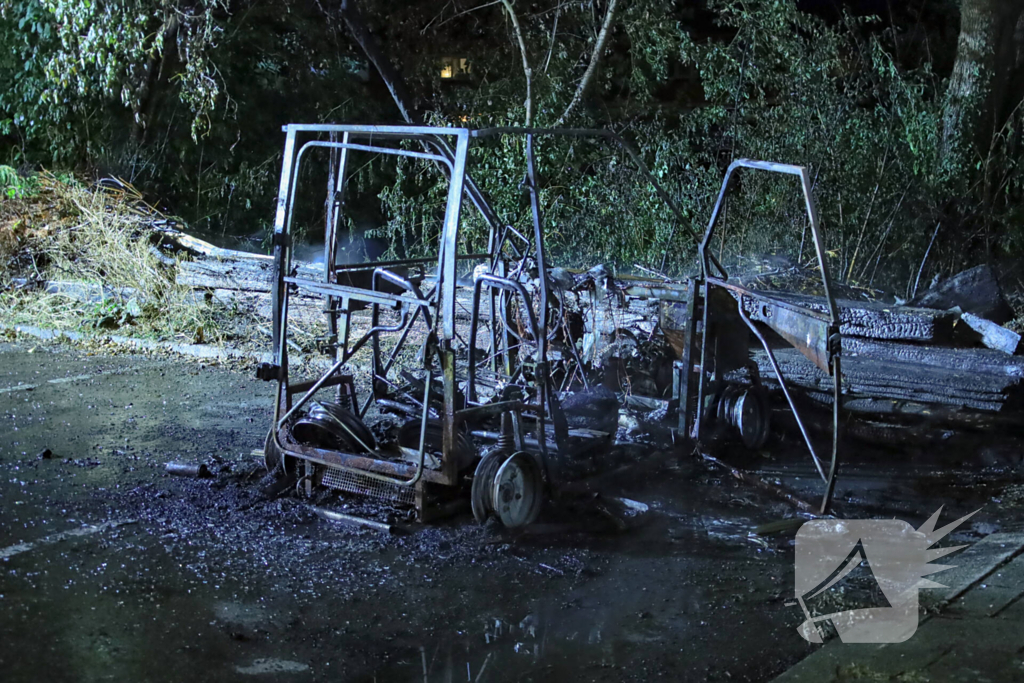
<point x="551" y="45"/>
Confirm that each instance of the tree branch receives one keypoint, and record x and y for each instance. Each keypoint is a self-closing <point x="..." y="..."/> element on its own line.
<point x="526" y="64"/>
<point x="151" y="76"/>
<point x="457" y="15"/>
<point x="392" y="79"/>
<point x="588" y="75"/>
<point x="551" y="45"/>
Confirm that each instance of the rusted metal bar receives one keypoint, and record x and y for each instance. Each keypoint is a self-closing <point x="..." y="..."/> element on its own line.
<point x="833" y="470"/>
<point x="332" y="516"/>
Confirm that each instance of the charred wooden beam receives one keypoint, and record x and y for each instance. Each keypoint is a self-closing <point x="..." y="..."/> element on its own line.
<point x="971" y="380"/>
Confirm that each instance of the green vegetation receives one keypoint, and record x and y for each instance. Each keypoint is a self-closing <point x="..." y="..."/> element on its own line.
<point x="910" y="129"/>
<point x="96" y="240"/>
<point x="13" y="186"/>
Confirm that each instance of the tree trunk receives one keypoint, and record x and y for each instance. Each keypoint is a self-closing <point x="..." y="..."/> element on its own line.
<point x="980" y="97"/>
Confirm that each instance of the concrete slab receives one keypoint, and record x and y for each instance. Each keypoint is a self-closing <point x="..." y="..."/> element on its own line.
<point x="978" y="634"/>
<point x="994" y="593"/>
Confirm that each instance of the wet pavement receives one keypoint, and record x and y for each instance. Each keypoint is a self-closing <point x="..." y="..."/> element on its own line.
<point x="110" y="569"/>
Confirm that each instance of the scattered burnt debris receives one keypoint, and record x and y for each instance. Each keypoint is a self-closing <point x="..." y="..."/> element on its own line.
<point x="184" y="469"/>
<point x="502" y="380"/>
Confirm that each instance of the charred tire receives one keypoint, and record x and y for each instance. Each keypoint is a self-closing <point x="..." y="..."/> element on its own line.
<point x="483" y="484"/>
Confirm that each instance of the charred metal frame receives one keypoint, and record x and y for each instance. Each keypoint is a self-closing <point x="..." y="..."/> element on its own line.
<point x="448" y="148"/>
<point x="814" y="334"/>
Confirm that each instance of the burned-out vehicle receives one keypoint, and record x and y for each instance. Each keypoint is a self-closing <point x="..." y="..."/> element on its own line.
<point x="485" y="369"/>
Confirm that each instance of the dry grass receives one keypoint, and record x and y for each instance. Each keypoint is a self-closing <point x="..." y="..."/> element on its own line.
<point x="69" y="232"/>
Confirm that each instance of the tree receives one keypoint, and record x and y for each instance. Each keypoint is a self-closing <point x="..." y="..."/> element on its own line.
<point x="987" y="82"/>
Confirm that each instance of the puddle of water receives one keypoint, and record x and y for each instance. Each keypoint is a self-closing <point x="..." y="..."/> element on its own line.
<point x="272" y="666"/>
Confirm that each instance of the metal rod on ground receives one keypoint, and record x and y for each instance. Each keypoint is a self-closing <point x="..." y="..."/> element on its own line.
<point x="186" y="470"/>
<point x="765" y="486"/>
<point x="332" y="516"/>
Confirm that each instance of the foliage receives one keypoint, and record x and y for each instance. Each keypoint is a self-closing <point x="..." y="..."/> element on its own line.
<point x="13" y="186"/>
<point x="69" y="61"/>
<point x="775" y="83"/>
<point x="789" y="87"/>
<point x="186" y="98"/>
<point x="183" y="98"/>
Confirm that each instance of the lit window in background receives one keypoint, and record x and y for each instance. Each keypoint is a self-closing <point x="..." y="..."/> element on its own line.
<point x="454" y="67"/>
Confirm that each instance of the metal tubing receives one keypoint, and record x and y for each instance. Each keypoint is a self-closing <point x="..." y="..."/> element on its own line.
<point x="541" y="376"/>
<point x="332" y="516"/>
<point x="492" y="281"/>
<point x="356" y="293"/>
<point x="833" y="469"/>
<point x="182" y="469"/>
<point x="819" y="246"/>
<point x="449" y="240"/>
<point x="538" y="238"/>
<point x="336" y="199"/>
<point x="785" y="390"/>
<point x="280" y="251"/>
<point x="812" y="215"/>
<point x="705" y="337"/>
<point x="375" y="150"/>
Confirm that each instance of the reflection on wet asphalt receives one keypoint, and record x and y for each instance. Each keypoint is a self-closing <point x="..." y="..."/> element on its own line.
<point x="122" y="572"/>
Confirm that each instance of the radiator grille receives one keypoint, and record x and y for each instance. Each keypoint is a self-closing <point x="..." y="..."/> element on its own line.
<point x="350" y="482"/>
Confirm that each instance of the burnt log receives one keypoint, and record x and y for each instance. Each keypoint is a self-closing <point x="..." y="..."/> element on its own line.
<point x="909" y="412"/>
<point x="968" y="362"/>
<point x="240" y="273"/>
<point x="975" y="291"/>
<point x="977" y="379"/>
<point x="865" y="319"/>
<point x="875" y="320"/>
